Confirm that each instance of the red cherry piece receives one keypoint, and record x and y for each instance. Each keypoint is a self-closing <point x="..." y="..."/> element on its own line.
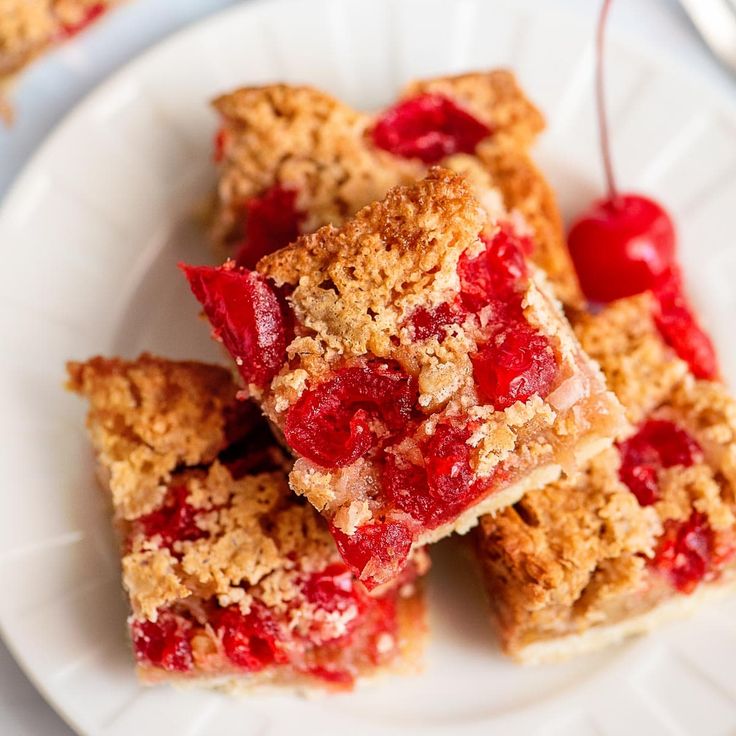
<point x="165" y="643"/>
<point x="219" y="145"/>
<point x="375" y="552"/>
<point x="429" y="323"/>
<point x="658" y="444"/>
<point x="91" y="14"/>
<point x="337" y="421"/>
<point x="250" y="641"/>
<point x="404" y="486"/>
<point x="332" y="675"/>
<point x="514" y="365"/>
<point x="438" y="490"/>
<point x="428" y="127"/>
<point x="271" y="222"/>
<point x="499" y="274"/>
<point x="621" y="246"/>
<point x="246" y="314"/>
<point x="685" y="551"/>
<point x="680" y="329"/>
<point x="447" y="460"/>
<point x="174" y="521"/>
<point x="332" y="589"/>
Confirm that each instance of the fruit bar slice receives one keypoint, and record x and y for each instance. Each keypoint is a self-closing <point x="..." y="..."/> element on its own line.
<point x="231" y="578"/>
<point x="30" y="27"/>
<point x="648" y="532"/>
<point x="417" y="366"/>
<point x="292" y="159"/>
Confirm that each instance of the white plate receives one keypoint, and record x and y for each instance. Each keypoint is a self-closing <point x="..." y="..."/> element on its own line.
<point x="90" y="236"/>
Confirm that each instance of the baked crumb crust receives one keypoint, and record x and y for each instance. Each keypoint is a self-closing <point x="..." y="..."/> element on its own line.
<point x="564" y="573"/>
<point x="303" y="139"/>
<point x="150" y="417"/>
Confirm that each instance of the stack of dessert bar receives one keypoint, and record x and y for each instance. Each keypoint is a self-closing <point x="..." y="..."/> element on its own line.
<point x="401" y="368"/>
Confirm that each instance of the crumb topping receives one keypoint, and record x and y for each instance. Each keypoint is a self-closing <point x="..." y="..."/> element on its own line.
<point x="354" y="286"/>
<point x="27" y="27"/>
<point x="147" y="418"/>
<point x="639" y="367"/>
<point x="548" y="552"/>
<point x="303" y="139"/>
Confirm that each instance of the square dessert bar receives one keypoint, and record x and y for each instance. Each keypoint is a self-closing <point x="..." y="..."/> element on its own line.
<point x="292" y="159"/>
<point x="30" y="27"/>
<point x="416" y="364"/>
<point x="231" y="578"/>
<point x="648" y="531"/>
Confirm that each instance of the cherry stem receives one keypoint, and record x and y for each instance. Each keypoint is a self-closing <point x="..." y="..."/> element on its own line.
<point x="601" y="103"/>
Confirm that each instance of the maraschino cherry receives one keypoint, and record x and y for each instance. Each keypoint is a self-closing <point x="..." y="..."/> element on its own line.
<point x="624" y="243"/>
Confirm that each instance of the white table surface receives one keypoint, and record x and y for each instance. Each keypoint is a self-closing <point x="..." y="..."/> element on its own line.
<point x="53" y="87"/>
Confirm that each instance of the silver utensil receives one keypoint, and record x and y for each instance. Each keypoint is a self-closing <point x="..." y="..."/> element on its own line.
<point x="715" y="20"/>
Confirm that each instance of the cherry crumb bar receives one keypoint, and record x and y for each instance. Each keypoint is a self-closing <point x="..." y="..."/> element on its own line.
<point x="416" y="364"/>
<point x="232" y="580"/>
<point x="648" y="531"/>
<point x="30" y="27"/>
<point x="292" y="159"/>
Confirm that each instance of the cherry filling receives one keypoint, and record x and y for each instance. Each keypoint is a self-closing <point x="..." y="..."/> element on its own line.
<point x="219" y="144"/>
<point x="375" y="552"/>
<point x="91" y="14"/>
<point x="514" y="365"/>
<point x="517" y="361"/>
<point x="342" y="418"/>
<point x="332" y="589"/>
<point x="447" y="463"/>
<point x="685" y="553"/>
<point x="681" y="331"/>
<point x="174" y="521"/>
<point x="251" y="641"/>
<point x="428" y="127"/>
<point x="497" y="277"/>
<point x="658" y="444"/>
<point x="271" y="222"/>
<point x="428" y="323"/>
<point x="247" y="315"/>
<point x="164" y="643"/>
<point x="444" y="485"/>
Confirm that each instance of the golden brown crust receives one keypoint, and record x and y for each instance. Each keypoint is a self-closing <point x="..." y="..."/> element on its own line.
<point x="148" y="417"/>
<point x="155" y="425"/>
<point x="305" y="140"/>
<point x="547" y="554"/>
<point x="639" y="367"/>
<point x="26" y="26"/>
<point x="354" y="285"/>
